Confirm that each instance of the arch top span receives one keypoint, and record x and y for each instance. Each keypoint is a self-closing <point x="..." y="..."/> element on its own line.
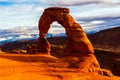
<point x="60" y="9"/>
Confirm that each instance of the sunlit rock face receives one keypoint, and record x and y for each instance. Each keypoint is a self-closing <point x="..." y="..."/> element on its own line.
<point x="79" y="49"/>
<point x="77" y="41"/>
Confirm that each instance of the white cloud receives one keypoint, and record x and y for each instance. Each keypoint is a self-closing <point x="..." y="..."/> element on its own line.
<point x="24" y="36"/>
<point x="18" y="33"/>
<point x="97" y="22"/>
<point x="20" y="15"/>
<point x="2" y="39"/>
<point x="89" y="12"/>
<point x="98" y="14"/>
<point x="114" y="1"/>
<point x="78" y="2"/>
<point x="56" y="28"/>
<point x="39" y="9"/>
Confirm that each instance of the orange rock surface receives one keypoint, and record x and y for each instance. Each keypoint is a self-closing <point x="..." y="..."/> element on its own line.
<point x="79" y="63"/>
<point x="45" y="67"/>
<point x="77" y="41"/>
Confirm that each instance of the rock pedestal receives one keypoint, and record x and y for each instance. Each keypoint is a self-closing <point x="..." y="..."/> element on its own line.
<point x="43" y="45"/>
<point x="1" y="51"/>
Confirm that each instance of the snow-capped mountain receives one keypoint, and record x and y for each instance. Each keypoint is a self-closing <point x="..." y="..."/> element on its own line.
<point x="32" y="32"/>
<point x="18" y="33"/>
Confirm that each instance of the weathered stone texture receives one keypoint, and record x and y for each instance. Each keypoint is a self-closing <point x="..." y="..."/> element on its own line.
<point x="77" y="45"/>
<point x="77" y="41"/>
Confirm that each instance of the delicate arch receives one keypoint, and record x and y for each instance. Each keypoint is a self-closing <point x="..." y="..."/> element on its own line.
<point x="77" y="41"/>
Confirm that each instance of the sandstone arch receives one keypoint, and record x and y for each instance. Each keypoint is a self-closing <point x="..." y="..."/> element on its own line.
<point x="79" y="51"/>
<point x="77" y="41"/>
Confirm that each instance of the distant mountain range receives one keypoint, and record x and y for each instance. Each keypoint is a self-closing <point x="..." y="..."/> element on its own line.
<point x="29" y="33"/>
<point x="19" y="33"/>
<point x="108" y="39"/>
<point x="32" y="32"/>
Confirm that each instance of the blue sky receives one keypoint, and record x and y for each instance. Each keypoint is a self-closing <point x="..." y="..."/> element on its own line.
<point x="91" y="14"/>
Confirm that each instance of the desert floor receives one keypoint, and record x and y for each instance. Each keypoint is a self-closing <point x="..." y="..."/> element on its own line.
<point x="42" y="67"/>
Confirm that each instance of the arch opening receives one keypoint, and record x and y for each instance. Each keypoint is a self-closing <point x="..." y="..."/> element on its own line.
<point x="56" y="29"/>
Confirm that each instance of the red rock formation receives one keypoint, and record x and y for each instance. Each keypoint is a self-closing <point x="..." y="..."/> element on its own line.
<point x="77" y="41"/>
<point x="43" y="45"/>
<point x="1" y="51"/>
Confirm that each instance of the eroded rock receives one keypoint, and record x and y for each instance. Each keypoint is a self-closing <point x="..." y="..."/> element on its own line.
<point x="79" y="50"/>
<point x="77" y="41"/>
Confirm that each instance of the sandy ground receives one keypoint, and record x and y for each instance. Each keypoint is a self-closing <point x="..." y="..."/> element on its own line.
<point x="42" y="67"/>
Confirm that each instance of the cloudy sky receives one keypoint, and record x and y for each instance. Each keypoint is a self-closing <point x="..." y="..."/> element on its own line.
<point x="91" y="14"/>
